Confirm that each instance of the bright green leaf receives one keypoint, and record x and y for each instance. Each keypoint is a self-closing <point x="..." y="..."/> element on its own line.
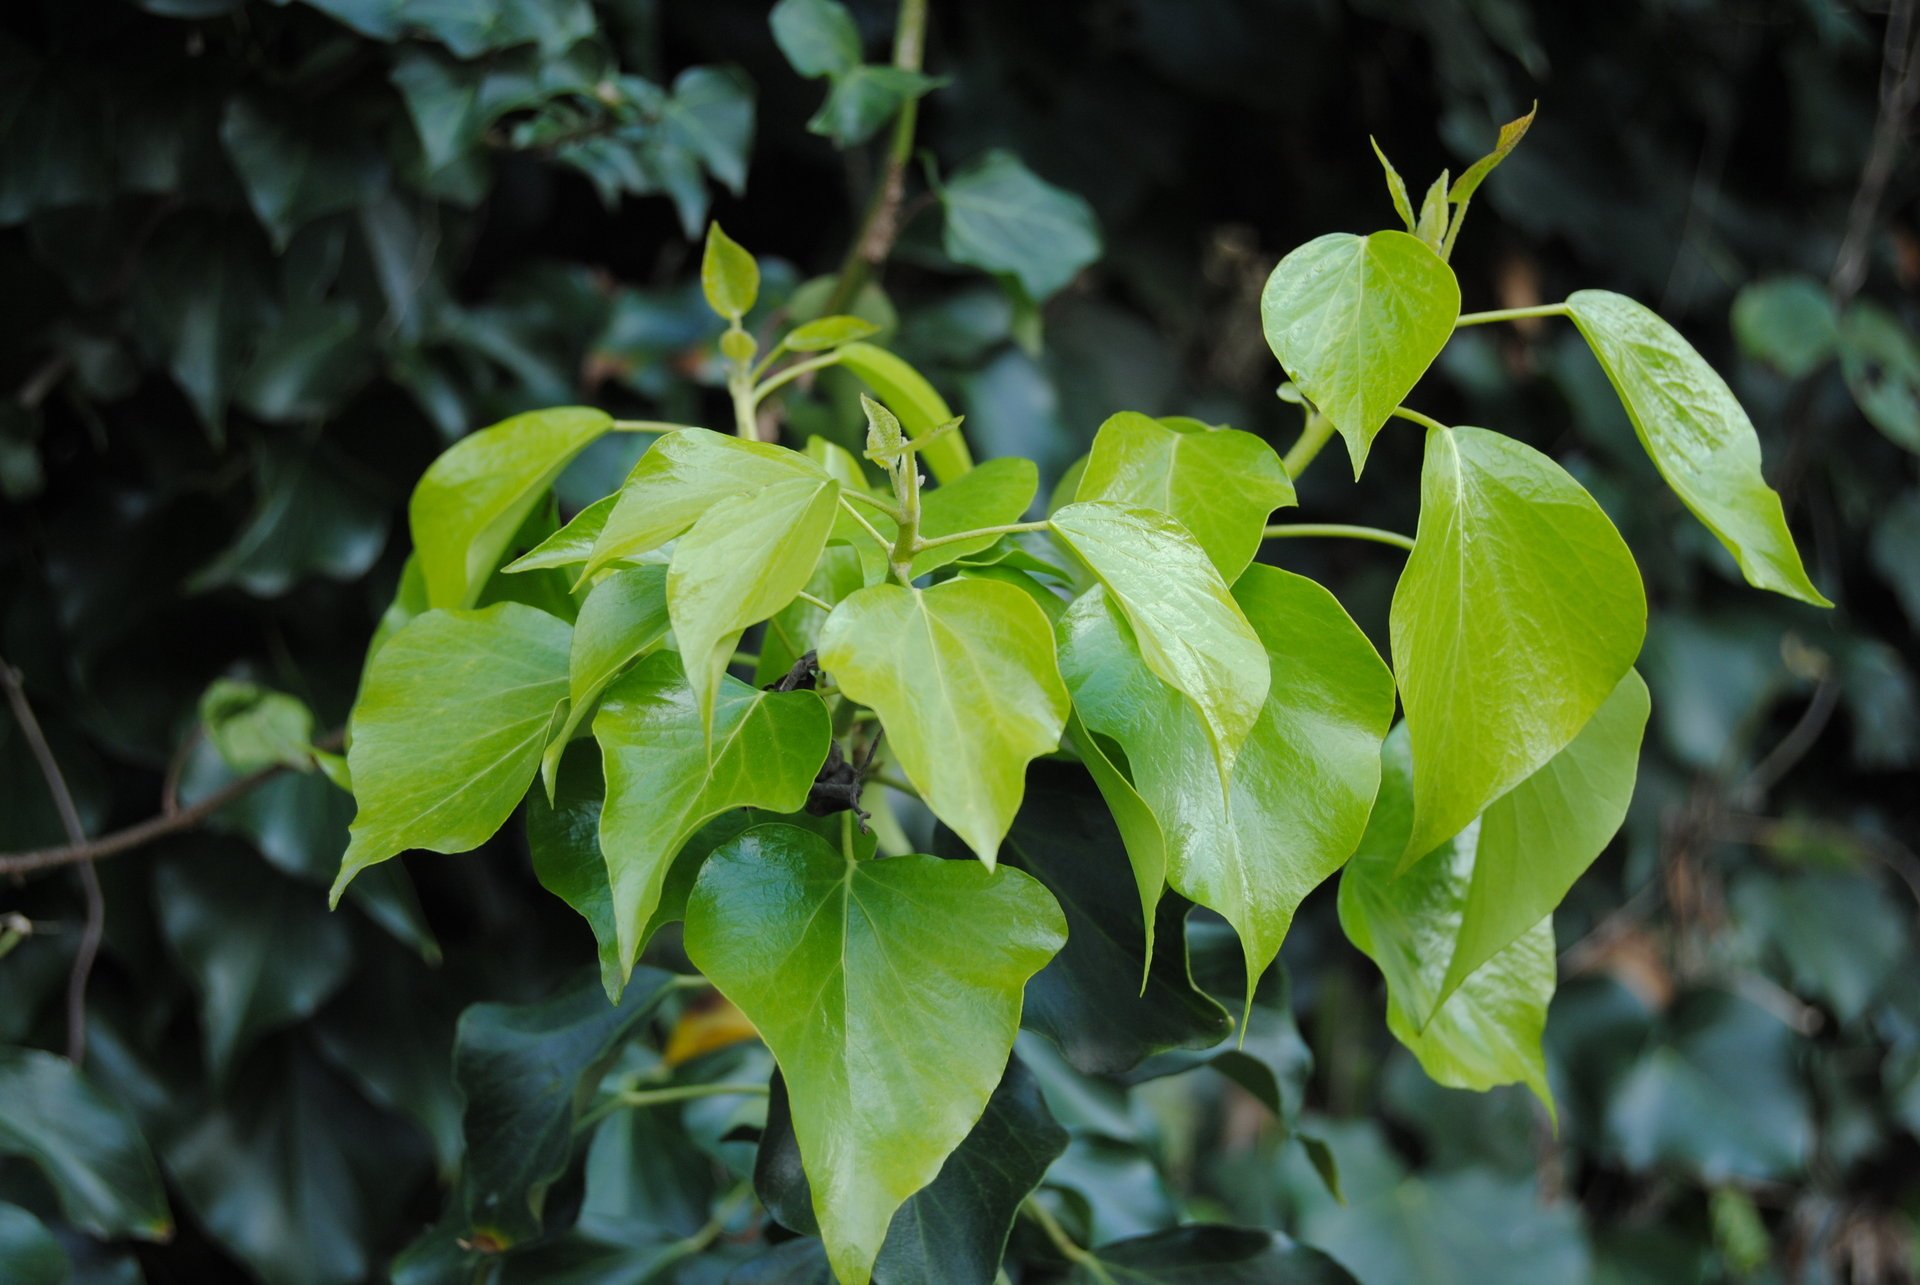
<point x="453" y="714"/>
<point x="1432" y="224"/>
<point x="665" y="776"/>
<point x="728" y="275"/>
<point x="1699" y="437"/>
<point x="1188" y="627"/>
<point x="991" y="494"/>
<point x="918" y="404"/>
<point x="254" y="727"/>
<point x="85" y="1143"/>
<point x="572" y="544"/>
<point x="1221" y="484"/>
<point x="1356" y="321"/>
<point x="889" y="991"/>
<point x="1004" y="218"/>
<point x="828" y="332"/>
<point x="1518" y="612"/>
<point x="1475" y="174"/>
<point x="624" y="618"/>
<point x="743" y="560"/>
<point x="472" y="500"/>
<point x="795" y="629"/>
<point x="964" y="680"/>
<point x="1396" y="187"/>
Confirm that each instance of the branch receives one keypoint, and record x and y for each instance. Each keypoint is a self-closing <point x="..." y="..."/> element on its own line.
<point x="1899" y="95"/>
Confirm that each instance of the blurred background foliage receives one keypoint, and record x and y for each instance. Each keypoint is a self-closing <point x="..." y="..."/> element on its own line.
<point x="263" y="259"/>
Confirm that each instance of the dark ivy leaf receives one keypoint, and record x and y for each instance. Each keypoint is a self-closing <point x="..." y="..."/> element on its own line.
<point x="85" y="1143"/>
<point x="1204" y="1254"/>
<point x="29" y="1255"/>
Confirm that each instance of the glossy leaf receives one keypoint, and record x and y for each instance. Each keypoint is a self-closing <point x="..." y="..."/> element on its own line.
<point x="254" y="727"/>
<point x="665" y="775"/>
<point x="572" y="544"/>
<point x="889" y="991"/>
<point x="85" y="1144"/>
<point x="453" y="715"/>
<point x="994" y="493"/>
<point x="1356" y="321"/>
<point x="795" y="629"/>
<point x="906" y="392"/>
<point x="743" y="561"/>
<point x="728" y="275"/>
<point x="956" y="1227"/>
<point x="680" y="477"/>
<point x="1210" y="1254"/>
<point x="1004" y="218"/>
<point x="623" y="618"/>
<point x="1188" y="628"/>
<point x="1301" y="789"/>
<point x="1518" y="612"/>
<point x="1221" y="484"/>
<point x="524" y="1071"/>
<point x="1698" y="435"/>
<point x="964" y="680"/>
<point x="472" y="499"/>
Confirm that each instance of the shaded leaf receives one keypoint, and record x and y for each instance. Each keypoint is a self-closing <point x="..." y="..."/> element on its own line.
<point x="85" y="1143"/>
<point x="1004" y="218"/>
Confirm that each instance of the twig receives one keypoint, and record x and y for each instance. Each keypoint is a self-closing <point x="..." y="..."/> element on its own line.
<point x="1069" y="1248"/>
<point x="89" y="948"/>
<point x="1794" y="745"/>
<point x="1899" y="95"/>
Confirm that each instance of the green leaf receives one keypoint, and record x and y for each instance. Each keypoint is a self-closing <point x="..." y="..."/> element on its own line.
<point x="795" y="629"/>
<point x="312" y="517"/>
<point x="1518" y="612"/>
<point x="817" y="36"/>
<point x="863" y="99"/>
<point x="963" y="678"/>
<point x="991" y="494"/>
<point x="1221" y="484"/>
<point x="666" y="776"/>
<point x="254" y="727"/>
<point x="828" y="332"/>
<point x="572" y="544"/>
<point x="1432" y="224"/>
<point x="744" y="560"/>
<point x="525" y="1071"/>
<point x="1396" y="186"/>
<point x="453" y="713"/>
<point x="1356" y="321"/>
<point x="623" y="618"/>
<point x="29" y="1255"/>
<point x="295" y="169"/>
<point x="1699" y="437"/>
<point x="1001" y="217"/>
<point x="1304" y="781"/>
<point x="1475" y="174"/>
<point x="1211" y="1254"/>
<point x="1188" y="628"/>
<point x="1089" y="1001"/>
<point x="728" y="275"/>
<point x="956" y="1227"/>
<point x="85" y="1143"/>
<point x="1881" y="362"/>
<point x="1788" y="323"/>
<point x="681" y="476"/>
<point x="918" y="404"/>
<point x="1471" y="1033"/>
<point x="889" y="992"/>
<point x="260" y="949"/>
<point x="472" y="500"/>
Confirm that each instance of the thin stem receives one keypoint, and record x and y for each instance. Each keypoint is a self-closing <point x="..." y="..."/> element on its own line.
<point x="793" y="372"/>
<point x="1338" y="530"/>
<point x="814" y="601"/>
<point x="872" y="502"/>
<point x="1069" y="1248"/>
<point x="1453" y="230"/>
<point x="1512" y="314"/>
<point x="955" y="538"/>
<point x="893" y="782"/>
<point x="1314" y="434"/>
<point x="1425" y="421"/>
<point x="865" y="525"/>
<point x="633" y="1098"/>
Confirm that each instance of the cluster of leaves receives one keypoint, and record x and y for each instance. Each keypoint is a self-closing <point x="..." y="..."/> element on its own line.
<point x="1744" y="1038"/>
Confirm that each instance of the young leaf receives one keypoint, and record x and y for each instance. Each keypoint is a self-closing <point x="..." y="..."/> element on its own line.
<point x="681" y="476"/>
<point x="1188" y="627"/>
<point x="253" y="727"/>
<point x="1004" y="218"/>
<point x="991" y="494"/>
<point x="1356" y="321"/>
<point x="1396" y="187"/>
<point x="963" y="678"/>
<point x="918" y="404"/>
<point x="1476" y="1035"/>
<point x="743" y="560"/>
<point x="1302" y="785"/>
<point x="889" y="992"/>
<point x="828" y="332"/>
<point x="1220" y="484"/>
<point x="1475" y="174"/>
<point x="85" y="1144"/>
<point x="1699" y="437"/>
<point x="623" y="618"/>
<point x="1432" y="225"/>
<point x="817" y="36"/>
<point x="471" y="500"/>
<point x="666" y="776"/>
<point x="453" y="714"/>
<point x="1518" y="612"/>
<point x="523" y="1070"/>
<point x="572" y="544"/>
<point x="728" y="275"/>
